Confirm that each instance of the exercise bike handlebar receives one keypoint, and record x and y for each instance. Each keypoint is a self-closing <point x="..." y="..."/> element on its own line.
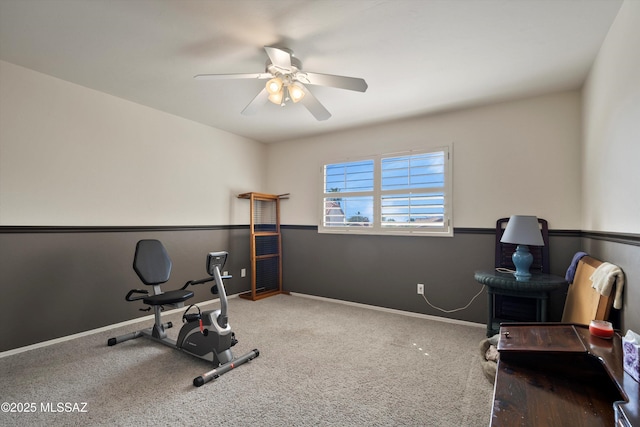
<point x="197" y="282"/>
<point x="201" y="281"/>
<point x="222" y="320"/>
<point x="136" y="291"/>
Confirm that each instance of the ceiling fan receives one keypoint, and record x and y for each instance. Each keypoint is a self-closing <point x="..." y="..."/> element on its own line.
<point x="287" y="83"/>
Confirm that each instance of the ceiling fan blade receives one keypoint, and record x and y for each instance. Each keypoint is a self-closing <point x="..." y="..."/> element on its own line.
<point x="257" y="103"/>
<point x="341" y="82"/>
<point x="280" y="58"/>
<point x="314" y="106"/>
<point x="232" y="76"/>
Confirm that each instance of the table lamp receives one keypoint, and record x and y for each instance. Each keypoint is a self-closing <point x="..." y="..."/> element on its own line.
<point x="522" y="230"/>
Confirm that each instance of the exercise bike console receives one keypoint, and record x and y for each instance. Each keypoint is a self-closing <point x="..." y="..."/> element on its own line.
<point x="206" y="335"/>
<point x="216" y="260"/>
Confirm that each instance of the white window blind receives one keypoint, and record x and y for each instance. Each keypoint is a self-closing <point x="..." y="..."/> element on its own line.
<point x="400" y="193"/>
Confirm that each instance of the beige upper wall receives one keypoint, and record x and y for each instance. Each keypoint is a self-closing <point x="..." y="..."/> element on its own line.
<point x="611" y="153"/>
<point x="74" y="156"/>
<point x="519" y="157"/>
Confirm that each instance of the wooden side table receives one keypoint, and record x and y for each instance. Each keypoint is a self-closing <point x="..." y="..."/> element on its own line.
<point x="557" y="374"/>
<point x="538" y="286"/>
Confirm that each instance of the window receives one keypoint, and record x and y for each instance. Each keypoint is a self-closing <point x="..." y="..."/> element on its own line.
<point x="400" y="193"/>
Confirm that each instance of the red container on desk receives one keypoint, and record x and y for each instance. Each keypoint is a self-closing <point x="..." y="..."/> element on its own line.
<point x="601" y="329"/>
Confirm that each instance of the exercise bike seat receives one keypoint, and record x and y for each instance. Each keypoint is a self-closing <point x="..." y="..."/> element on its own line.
<point x="152" y="264"/>
<point x="170" y="297"/>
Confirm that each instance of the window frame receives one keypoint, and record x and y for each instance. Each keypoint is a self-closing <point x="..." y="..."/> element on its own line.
<point x="376" y="225"/>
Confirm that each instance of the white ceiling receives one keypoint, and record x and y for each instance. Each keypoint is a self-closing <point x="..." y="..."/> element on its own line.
<point x="418" y="56"/>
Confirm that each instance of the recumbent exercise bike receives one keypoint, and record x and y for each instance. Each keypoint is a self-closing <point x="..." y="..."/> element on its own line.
<point x="206" y="335"/>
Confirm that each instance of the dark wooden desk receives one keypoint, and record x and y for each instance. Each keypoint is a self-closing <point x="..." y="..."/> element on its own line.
<point x="538" y="287"/>
<point x="553" y="374"/>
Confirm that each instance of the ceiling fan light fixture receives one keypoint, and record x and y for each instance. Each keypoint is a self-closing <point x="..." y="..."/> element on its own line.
<point x="274" y="85"/>
<point x="296" y="92"/>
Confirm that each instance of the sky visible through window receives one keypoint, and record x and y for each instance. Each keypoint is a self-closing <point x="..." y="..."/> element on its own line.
<point x="351" y="177"/>
<point x="411" y="188"/>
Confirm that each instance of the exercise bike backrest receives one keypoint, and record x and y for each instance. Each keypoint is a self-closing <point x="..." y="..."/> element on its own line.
<point x="153" y="266"/>
<point x="151" y="262"/>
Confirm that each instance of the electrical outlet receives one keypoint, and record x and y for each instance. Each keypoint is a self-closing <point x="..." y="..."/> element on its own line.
<point x="243" y="272"/>
<point x="420" y="289"/>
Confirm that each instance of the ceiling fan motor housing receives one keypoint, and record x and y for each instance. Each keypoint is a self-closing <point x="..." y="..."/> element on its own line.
<point x="296" y="65"/>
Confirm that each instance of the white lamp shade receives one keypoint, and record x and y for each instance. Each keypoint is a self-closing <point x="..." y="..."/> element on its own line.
<point x="276" y="98"/>
<point x="274" y="85"/>
<point x="296" y="93"/>
<point x="523" y="230"/>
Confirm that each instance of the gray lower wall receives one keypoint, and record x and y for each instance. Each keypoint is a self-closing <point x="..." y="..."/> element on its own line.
<point x="384" y="270"/>
<point x="57" y="283"/>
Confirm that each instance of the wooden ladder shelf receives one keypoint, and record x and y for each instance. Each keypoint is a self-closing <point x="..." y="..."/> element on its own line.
<point x="266" y="245"/>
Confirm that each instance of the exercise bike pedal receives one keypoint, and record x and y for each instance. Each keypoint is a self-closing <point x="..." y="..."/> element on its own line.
<point x="234" y="341"/>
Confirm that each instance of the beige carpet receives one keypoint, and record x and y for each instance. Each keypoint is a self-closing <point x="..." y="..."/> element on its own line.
<point x="321" y="364"/>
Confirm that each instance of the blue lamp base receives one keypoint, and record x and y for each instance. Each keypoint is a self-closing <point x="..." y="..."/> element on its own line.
<point x="522" y="259"/>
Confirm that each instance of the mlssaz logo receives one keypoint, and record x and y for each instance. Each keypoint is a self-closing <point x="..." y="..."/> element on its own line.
<point x="63" y="407"/>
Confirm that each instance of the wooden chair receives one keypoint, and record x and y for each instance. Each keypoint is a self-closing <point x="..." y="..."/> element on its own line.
<point x="583" y="303"/>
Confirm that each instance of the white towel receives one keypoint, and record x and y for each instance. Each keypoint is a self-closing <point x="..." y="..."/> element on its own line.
<point x="605" y="276"/>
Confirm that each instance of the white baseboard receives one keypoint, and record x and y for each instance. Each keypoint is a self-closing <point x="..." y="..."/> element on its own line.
<point x="98" y="330"/>
<point x="392" y="310"/>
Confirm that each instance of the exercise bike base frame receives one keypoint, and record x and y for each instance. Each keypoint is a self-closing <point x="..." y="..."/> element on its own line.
<point x="222" y="369"/>
<point x="217" y="341"/>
